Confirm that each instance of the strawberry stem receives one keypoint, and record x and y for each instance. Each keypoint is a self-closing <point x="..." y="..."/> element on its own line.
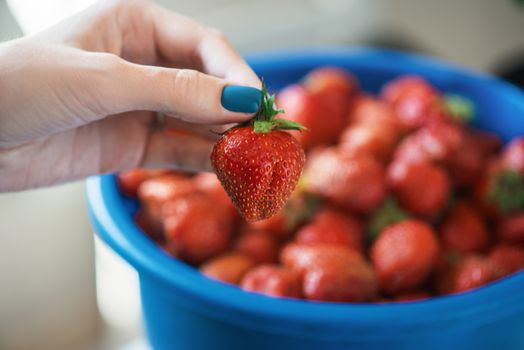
<point x="507" y="191"/>
<point x="388" y="214"/>
<point x="460" y="108"/>
<point x="264" y="120"/>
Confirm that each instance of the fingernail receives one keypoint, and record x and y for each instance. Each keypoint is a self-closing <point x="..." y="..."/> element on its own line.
<point x="243" y="99"/>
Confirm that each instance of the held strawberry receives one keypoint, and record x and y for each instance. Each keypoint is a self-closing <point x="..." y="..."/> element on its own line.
<point x="258" y="163"/>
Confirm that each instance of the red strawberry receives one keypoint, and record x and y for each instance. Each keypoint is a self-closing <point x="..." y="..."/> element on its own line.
<point x="446" y="144"/>
<point x="305" y="108"/>
<point x="163" y="188"/>
<point x="129" y="181"/>
<point x="301" y="257"/>
<point x="259" y="165"/>
<point x="333" y="85"/>
<point x="143" y="221"/>
<point x="229" y="267"/>
<point x="413" y="296"/>
<point x="469" y="272"/>
<point x="320" y="104"/>
<point x="437" y="142"/>
<point x="513" y="155"/>
<point x="365" y="109"/>
<point x="277" y="225"/>
<point x="300" y="207"/>
<point x="209" y="184"/>
<point x="194" y="230"/>
<point x="261" y="246"/>
<point x="467" y="164"/>
<point x="404" y="255"/>
<point x="422" y="189"/>
<point x="273" y="280"/>
<point x="464" y="229"/>
<point x="410" y="150"/>
<point x="487" y="142"/>
<point x="355" y="182"/>
<point x="507" y="259"/>
<point x="336" y="283"/>
<point x="157" y="191"/>
<point x="511" y="228"/>
<point x="414" y="100"/>
<point x="331" y="272"/>
<point x="331" y="226"/>
<point x="376" y="140"/>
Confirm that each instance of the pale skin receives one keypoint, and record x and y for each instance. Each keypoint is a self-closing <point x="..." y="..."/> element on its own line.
<point x="81" y="98"/>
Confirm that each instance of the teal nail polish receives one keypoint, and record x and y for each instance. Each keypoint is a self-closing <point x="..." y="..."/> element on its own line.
<point x="243" y="99"/>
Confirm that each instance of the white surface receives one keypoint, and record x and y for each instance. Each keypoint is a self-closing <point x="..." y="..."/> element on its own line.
<point x="117" y="290"/>
<point x="139" y="344"/>
<point x="47" y="292"/>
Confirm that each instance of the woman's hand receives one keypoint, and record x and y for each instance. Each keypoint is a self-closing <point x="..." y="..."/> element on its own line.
<point x="81" y="98"/>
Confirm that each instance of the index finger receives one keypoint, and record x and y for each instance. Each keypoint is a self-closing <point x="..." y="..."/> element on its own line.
<point x="185" y="42"/>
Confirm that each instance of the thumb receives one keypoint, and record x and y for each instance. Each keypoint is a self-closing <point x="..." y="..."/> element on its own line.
<point x="187" y="94"/>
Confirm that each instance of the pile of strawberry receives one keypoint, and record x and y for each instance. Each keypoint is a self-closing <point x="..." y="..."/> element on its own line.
<point x="399" y="200"/>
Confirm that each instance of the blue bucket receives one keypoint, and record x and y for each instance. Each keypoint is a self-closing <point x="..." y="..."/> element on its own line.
<point x="185" y="310"/>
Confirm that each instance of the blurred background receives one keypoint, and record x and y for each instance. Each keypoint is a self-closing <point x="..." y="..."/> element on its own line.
<point x="61" y="289"/>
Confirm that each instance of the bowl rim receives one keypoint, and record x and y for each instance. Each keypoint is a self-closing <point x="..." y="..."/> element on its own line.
<point x="115" y="226"/>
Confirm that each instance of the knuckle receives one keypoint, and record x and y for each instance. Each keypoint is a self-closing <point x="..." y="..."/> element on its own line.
<point x="108" y="70"/>
<point x="130" y="3"/>
<point x="111" y="62"/>
<point x="216" y="35"/>
<point x="184" y="84"/>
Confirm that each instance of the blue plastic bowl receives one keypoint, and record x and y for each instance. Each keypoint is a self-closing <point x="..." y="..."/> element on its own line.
<point x="185" y="310"/>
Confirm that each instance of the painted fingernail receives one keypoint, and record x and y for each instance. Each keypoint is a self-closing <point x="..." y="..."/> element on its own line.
<point x="243" y="99"/>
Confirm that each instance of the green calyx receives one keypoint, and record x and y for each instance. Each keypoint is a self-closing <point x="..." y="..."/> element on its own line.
<point x="507" y="191"/>
<point x="264" y="120"/>
<point x="460" y="108"/>
<point x="388" y="214"/>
